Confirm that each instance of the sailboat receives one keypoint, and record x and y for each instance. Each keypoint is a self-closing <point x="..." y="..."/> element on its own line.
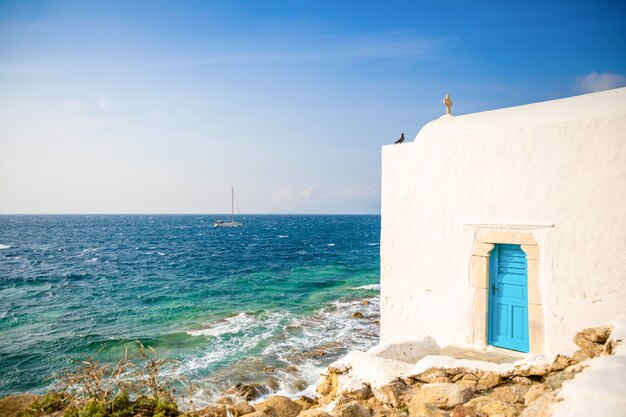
<point x="232" y="222"/>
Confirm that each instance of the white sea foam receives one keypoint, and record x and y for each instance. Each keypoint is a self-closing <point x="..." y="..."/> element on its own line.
<point x="367" y="287"/>
<point x="4" y="246"/>
<point x="331" y="244"/>
<point x="282" y="236"/>
<point x="92" y="260"/>
<point x="373" y="244"/>
<point x="242" y="345"/>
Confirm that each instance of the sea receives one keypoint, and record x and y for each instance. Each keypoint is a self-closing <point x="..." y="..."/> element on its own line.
<point x="271" y="302"/>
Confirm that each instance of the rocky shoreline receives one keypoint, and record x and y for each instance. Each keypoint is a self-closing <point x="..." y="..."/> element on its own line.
<point x="366" y="384"/>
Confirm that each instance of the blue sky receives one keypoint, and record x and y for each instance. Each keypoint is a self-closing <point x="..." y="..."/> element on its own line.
<point x="159" y="107"/>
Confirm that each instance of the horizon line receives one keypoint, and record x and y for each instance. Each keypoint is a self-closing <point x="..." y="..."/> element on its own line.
<point x="189" y="214"/>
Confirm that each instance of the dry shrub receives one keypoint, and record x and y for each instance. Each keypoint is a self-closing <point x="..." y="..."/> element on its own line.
<point x="140" y="376"/>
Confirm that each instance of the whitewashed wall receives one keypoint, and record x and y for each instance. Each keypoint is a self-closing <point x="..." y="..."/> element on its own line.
<point x="560" y="163"/>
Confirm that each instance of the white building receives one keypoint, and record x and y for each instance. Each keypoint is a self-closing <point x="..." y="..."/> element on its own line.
<point x="507" y="227"/>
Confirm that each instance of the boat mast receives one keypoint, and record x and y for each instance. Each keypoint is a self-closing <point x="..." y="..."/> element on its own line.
<point x="232" y="203"/>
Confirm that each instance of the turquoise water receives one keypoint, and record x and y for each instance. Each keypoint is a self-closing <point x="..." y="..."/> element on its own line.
<point x="224" y="302"/>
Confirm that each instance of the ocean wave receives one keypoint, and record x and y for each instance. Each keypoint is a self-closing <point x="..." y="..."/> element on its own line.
<point x="331" y="244"/>
<point x="367" y="287"/>
<point x="373" y="244"/>
<point x="299" y="347"/>
<point x="4" y="246"/>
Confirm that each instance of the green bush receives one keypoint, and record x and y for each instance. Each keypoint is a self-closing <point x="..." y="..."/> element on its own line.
<point x="49" y="403"/>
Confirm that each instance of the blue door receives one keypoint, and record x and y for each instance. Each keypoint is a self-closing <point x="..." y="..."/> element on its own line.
<point x="508" y="298"/>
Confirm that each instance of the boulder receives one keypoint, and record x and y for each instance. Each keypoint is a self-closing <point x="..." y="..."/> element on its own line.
<point x="462" y="411"/>
<point x="491" y="407"/>
<point x="324" y="389"/>
<point x="561" y="362"/>
<point x="352" y="409"/>
<point x="443" y="395"/>
<point x="292" y="369"/>
<point x="391" y="394"/>
<point x="279" y="406"/>
<point x="427" y="410"/>
<point x="357" y="315"/>
<point x="314" y="412"/>
<point x="488" y="380"/>
<point x="510" y="393"/>
<point x="298" y="384"/>
<point x="243" y="408"/>
<point x="248" y="392"/>
<point x="214" y="411"/>
<point x="533" y="393"/>
<point x="257" y="414"/>
<point x="542" y="407"/>
<point x="522" y="380"/>
<point x="555" y="381"/>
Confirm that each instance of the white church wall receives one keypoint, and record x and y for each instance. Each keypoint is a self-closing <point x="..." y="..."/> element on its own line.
<point x="555" y="169"/>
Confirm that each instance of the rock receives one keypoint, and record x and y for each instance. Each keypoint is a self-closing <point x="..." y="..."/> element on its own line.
<point x="431" y="374"/>
<point x="243" y="408"/>
<point x="365" y="302"/>
<point x="248" y="392"/>
<point x="561" y="362"/>
<point x="226" y="400"/>
<point x="488" y="380"/>
<point x="305" y="405"/>
<point x="306" y="399"/>
<point x="445" y="396"/>
<point x="555" y="381"/>
<point x="363" y="393"/>
<point x="589" y="347"/>
<point x="324" y="389"/>
<point x="269" y="369"/>
<point x="542" y="407"/>
<point x="279" y="406"/>
<point x="441" y="380"/>
<point x="462" y="411"/>
<point x="357" y="315"/>
<point x="391" y="394"/>
<point x="14" y="405"/>
<point x="352" y="409"/>
<point x="522" y="380"/>
<point x="292" y="369"/>
<point x="580" y="356"/>
<point x="510" y="393"/>
<point x="533" y="393"/>
<point x="257" y="414"/>
<point x="272" y="384"/>
<point x="214" y="411"/>
<point x="298" y="384"/>
<point x="491" y="407"/>
<point x="427" y="410"/>
<point x="314" y="412"/>
<point x="596" y="334"/>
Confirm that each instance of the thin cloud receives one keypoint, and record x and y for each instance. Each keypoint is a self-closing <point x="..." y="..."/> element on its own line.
<point x="290" y="193"/>
<point x="593" y="82"/>
<point x="384" y="46"/>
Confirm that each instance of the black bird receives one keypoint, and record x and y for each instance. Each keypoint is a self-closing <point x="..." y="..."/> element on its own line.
<point x="401" y="139"/>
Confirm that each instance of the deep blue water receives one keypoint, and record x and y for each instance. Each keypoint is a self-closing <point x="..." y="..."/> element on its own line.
<point x="225" y="302"/>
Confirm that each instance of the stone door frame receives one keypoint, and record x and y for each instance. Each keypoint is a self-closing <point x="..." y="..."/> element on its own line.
<point x="484" y="242"/>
